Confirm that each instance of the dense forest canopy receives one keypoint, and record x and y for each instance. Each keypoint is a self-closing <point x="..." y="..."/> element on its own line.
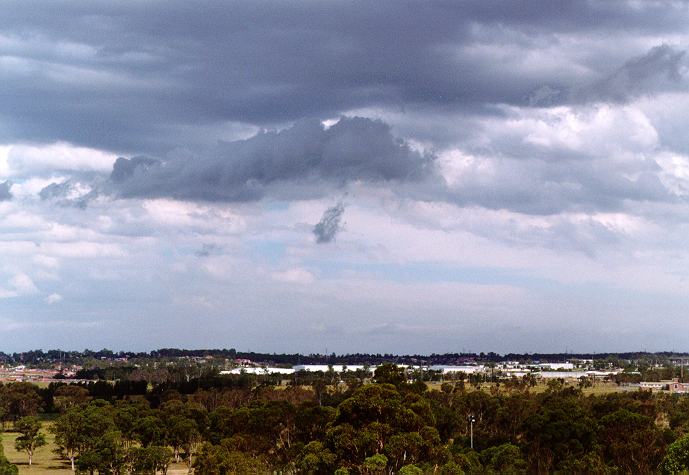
<point x="351" y="423"/>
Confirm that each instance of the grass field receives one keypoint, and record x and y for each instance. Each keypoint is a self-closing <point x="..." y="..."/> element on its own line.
<point x="45" y="462"/>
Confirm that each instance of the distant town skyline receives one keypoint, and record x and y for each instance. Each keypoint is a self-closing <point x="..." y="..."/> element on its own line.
<point x="403" y="177"/>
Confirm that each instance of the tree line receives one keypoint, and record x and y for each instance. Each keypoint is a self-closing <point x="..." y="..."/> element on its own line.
<point x="324" y="424"/>
<point x="47" y="357"/>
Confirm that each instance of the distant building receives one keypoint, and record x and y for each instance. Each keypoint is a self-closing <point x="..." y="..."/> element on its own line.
<point x="259" y="370"/>
<point x="561" y="374"/>
<point x="458" y="369"/>
<point x="601" y="374"/>
<point x="567" y="366"/>
<point x="656" y="385"/>
<point x="676" y="387"/>
<point x="338" y="368"/>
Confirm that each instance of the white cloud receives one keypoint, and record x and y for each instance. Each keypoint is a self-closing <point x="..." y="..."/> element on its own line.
<point x="53" y="298"/>
<point x="294" y="276"/>
<point x="26" y="160"/>
<point x="18" y="286"/>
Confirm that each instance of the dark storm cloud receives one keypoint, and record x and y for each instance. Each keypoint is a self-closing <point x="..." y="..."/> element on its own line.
<point x="5" y="193"/>
<point x="145" y="77"/>
<point x="295" y="162"/>
<point x="329" y="225"/>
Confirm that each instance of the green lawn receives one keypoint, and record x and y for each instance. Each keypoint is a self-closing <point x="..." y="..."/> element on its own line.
<point x="45" y="462"/>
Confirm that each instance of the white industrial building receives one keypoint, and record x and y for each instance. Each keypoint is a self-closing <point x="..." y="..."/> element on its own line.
<point x="556" y="366"/>
<point x="458" y="369"/>
<point x="338" y="368"/>
<point x="259" y="370"/>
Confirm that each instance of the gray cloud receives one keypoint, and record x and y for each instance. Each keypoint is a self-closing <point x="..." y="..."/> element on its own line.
<point x="534" y="186"/>
<point x="67" y="193"/>
<point x="660" y="69"/>
<point x="327" y="228"/>
<point x="309" y="161"/>
<point x="143" y="78"/>
<point x="294" y="162"/>
<point x="5" y="193"/>
<point x="161" y="85"/>
<point x="123" y="168"/>
<point x="55" y="190"/>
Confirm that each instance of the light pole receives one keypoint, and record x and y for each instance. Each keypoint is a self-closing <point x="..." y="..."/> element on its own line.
<point x="472" y="419"/>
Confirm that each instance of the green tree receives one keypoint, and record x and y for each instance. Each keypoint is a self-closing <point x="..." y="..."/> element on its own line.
<point x="70" y="395"/>
<point x="176" y="430"/>
<point x="30" y="437"/>
<point x="69" y="430"/>
<point x="191" y="444"/>
<point x="106" y="455"/>
<point x="562" y="428"/>
<point x="404" y="449"/>
<point x="128" y="417"/>
<point x="20" y="400"/>
<point x="223" y="460"/>
<point x="375" y="464"/>
<point x="316" y="458"/>
<point x="677" y="458"/>
<point x="410" y="470"/>
<point x="149" y="460"/>
<point x="632" y="442"/>
<point x="149" y="430"/>
<point x="505" y="458"/>
<point x="451" y="468"/>
<point x="389" y="373"/>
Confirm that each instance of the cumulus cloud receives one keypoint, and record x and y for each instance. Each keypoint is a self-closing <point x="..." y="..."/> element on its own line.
<point x="69" y="193"/>
<point x="546" y="161"/>
<point x="293" y="162"/>
<point x="19" y="285"/>
<point x="540" y="161"/>
<point x="329" y="225"/>
<point x="45" y="160"/>
<point x="294" y="276"/>
<point x="53" y="299"/>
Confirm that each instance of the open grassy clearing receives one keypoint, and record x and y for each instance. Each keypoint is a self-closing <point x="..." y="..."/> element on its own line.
<point x="45" y="462"/>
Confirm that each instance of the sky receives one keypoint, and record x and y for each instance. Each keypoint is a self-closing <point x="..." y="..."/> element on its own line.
<point x="314" y="176"/>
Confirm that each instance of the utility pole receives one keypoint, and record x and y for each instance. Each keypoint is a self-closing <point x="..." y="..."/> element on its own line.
<point x="472" y="419"/>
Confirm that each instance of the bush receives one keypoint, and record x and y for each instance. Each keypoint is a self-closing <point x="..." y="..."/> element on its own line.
<point x="410" y="470"/>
